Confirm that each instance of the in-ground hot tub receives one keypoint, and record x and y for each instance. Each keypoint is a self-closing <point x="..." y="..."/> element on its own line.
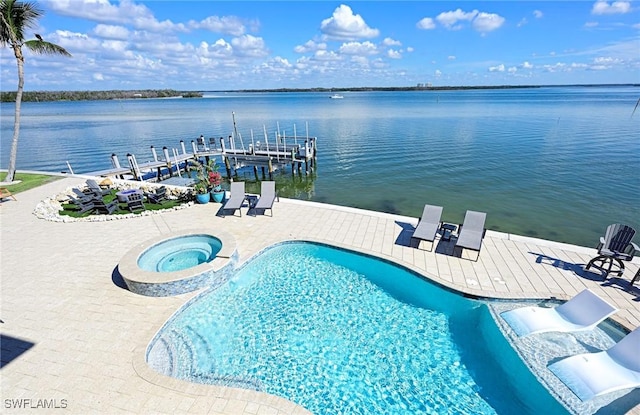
<point x="180" y="262"/>
<point x="180" y="253"/>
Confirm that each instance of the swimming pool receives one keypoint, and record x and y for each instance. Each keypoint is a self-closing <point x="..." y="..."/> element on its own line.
<point x="340" y="332"/>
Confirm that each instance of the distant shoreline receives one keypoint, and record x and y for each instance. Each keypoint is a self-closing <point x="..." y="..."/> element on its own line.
<point x="49" y="96"/>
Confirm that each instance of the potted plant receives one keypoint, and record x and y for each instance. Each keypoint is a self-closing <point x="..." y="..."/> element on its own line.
<point x="208" y="181"/>
<point x="215" y="178"/>
<point x="202" y="192"/>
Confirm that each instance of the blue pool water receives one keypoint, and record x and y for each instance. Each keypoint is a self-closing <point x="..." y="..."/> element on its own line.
<point x="180" y="253"/>
<point x="340" y="332"/>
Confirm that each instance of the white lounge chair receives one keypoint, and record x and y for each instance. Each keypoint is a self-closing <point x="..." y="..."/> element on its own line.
<point x="593" y="374"/>
<point x="583" y="312"/>
<point x="428" y="225"/>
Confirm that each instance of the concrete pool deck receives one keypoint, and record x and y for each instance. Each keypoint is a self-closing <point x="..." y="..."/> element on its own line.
<point x="73" y="339"/>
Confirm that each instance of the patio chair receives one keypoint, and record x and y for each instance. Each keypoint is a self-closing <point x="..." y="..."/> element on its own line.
<point x="472" y="231"/>
<point x="5" y="193"/>
<point x="95" y="188"/>
<point x="159" y="196"/>
<point x="428" y="225"/>
<point x="104" y="208"/>
<point x="589" y="375"/>
<point x="267" y="196"/>
<point x="83" y="205"/>
<point x="80" y="195"/>
<point x="135" y="202"/>
<point x="582" y="312"/>
<point x="616" y="246"/>
<point x="237" y="198"/>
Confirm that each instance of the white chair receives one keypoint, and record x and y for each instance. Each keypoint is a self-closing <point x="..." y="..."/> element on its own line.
<point x="593" y="374"/>
<point x="583" y="312"/>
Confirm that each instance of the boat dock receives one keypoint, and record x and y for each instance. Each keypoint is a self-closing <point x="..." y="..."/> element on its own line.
<point x="263" y="157"/>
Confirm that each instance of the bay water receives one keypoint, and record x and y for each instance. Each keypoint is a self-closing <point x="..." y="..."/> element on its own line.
<point x="559" y="163"/>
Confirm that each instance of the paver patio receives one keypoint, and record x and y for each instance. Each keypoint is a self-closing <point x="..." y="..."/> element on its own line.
<point x="84" y="336"/>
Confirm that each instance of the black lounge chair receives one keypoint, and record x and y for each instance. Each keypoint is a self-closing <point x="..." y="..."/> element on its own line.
<point x="428" y="225"/>
<point x="159" y="196"/>
<point x="135" y="202"/>
<point x="95" y="188"/>
<point x="105" y="208"/>
<point x="83" y="205"/>
<point x="472" y="231"/>
<point x="616" y="246"/>
<point x="237" y="198"/>
<point x="267" y="196"/>
<point x="82" y="196"/>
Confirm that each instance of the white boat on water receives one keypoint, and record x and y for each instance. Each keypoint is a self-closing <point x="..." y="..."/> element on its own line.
<point x="336" y="96"/>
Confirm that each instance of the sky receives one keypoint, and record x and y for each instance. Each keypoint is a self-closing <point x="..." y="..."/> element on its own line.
<point x="230" y="45"/>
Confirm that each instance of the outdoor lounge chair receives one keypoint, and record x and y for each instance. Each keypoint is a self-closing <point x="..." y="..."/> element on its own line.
<point x="594" y="374"/>
<point x="616" y="246"/>
<point x="83" y="205"/>
<point x="428" y="225"/>
<point x="583" y="312"/>
<point x="5" y="193"/>
<point x="472" y="231"/>
<point x="95" y="188"/>
<point x="159" y="196"/>
<point x="80" y="195"/>
<point x="105" y="208"/>
<point x="267" y="196"/>
<point x="237" y="198"/>
<point x="135" y="202"/>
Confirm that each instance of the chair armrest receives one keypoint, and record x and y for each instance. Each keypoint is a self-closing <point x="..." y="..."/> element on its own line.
<point x="632" y="248"/>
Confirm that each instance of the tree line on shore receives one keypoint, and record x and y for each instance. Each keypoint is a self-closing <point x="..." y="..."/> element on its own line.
<point x="42" y="96"/>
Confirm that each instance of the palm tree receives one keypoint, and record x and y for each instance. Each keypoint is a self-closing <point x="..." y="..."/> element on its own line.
<point x="16" y="18"/>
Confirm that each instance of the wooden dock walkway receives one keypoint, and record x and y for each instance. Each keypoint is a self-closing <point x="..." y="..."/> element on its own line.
<point x="265" y="157"/>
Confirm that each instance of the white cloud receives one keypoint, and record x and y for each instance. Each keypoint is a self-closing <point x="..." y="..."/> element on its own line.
<point x="343" y="24"/>
<point x="522" y="22"/>
<point x="409" y="49"/>
<point x="449" y="19"/>
<point x="499" y="68"/>
<point x="591" y="24"/>
<point x="437" y="73"/>
<point x="394" y="54"/>
<point x="111" y="32"/>
<point x="487" y="22"/>
<point x="326" y="55"/>
<point x="247" y="45"/>
<point x="512" y="69"/>
<point x="391" y="42"/>
<point x="231" y="25"/>
<point x="616" y="7"/>
<point x="310" y="46"/>
<point x="98" y="77"/>
<point x="451" y="57"/>
<point x="426" y="24"/>
<point x="357" y="48"/>
<point x="527" y="65"/>
<point x="218" y="50"/>
<point x="537" y="14"/>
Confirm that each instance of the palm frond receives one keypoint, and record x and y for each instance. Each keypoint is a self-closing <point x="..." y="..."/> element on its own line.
<point x="16" y="17"/>
<point x="45" y="48"/>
